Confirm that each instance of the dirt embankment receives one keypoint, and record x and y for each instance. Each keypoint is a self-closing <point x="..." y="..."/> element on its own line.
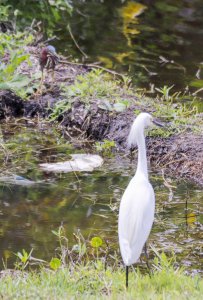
<point x="180" y="155"/>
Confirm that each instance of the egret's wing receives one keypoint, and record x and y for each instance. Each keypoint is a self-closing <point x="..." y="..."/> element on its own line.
<point x="135" y="219"/>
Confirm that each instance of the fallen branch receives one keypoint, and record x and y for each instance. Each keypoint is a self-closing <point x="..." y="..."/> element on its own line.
<point x="75" y="42"/>
<point x="92" y="66"/>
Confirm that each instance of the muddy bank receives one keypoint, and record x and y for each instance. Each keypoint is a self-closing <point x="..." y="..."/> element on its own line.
<point x="180" y="155"/>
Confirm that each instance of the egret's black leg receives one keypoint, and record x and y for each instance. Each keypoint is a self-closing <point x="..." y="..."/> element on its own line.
<point x="126" y="276"/>
<point x="147" y="256"/>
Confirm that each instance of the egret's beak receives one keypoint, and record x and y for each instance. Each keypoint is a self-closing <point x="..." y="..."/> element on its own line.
<point x="157" y="123"/>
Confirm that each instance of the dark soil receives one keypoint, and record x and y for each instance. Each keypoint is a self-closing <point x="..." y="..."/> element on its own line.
<point x="10" y="105"/>
<point x="181" y="155"/>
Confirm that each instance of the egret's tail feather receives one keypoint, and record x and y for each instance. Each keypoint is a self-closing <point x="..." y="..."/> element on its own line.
<point x="126" y="252"/>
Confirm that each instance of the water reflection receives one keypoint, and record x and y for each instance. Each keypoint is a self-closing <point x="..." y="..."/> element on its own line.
<point x="158" y="43"/>
<point x="89" y="202"/>
<point x="132" y="37"/>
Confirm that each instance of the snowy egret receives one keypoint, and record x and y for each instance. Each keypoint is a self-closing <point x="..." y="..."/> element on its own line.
<point x="137" y="205"/>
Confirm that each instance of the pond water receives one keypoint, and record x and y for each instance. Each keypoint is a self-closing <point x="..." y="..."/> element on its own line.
<point x="86" y="201"/>
<point x="157" y="43"/>
<point x="154" y="42"/>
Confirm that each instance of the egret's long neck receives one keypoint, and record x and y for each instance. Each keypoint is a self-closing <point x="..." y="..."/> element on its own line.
<point x="142" y="156"/>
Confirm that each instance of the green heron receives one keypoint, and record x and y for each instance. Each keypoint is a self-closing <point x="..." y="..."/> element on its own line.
<point x="48" y="60"/>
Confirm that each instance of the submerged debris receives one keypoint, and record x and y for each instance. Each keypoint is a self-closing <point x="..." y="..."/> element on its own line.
<point x="79" y="162"/>
<point x="17" y="180"/>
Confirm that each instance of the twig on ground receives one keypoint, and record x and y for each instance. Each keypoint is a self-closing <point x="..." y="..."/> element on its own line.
<point x="196" y="92"/>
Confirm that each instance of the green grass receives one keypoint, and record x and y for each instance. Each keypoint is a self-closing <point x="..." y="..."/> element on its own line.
<point x="91" y="281"/>
<point x="80" y="273"/>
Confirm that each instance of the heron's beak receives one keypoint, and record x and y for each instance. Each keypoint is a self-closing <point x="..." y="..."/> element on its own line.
<point x="157" y="123"/>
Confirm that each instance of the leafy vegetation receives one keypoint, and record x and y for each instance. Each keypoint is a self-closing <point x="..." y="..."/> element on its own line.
<point x="9" y="79"/>
<point x="93" y="87"/>
<point x="4" y="11"/>
<point x="49" y="13"/>
<point x="23" y="258"/>
<point x="14" y="42"/>
<point x="106" y="147"/>
<point x="12" y="57"/>
<point x="178" y="117"/>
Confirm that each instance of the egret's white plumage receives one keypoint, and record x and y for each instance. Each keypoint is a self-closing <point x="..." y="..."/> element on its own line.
<point x="137" y="205"/>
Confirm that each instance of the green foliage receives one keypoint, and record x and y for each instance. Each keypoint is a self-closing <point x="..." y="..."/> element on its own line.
<point x="9" y="43"/>
<point x="121" y="106"/>
<point x="166" y="7"/>
<point x="198" y="83"/>
<point x="55" y="12"/>
<point x="11" y="47"/>
<point x="55" y="263"/>
<point x="79" y="249"/>
<point x="172" y="109"/>
<point x="23" y="257"/>
<point x="4" y="11"/>
<point x="165" y="90"/>
<point x="106" y="146"/>
<point x="126" y="81"/>
<point x="177" y="117"/>
<point x="52" y="12"/>
<point x="161" y="261"/>
<point x="11" y="80"/>
<point x="96" y="242"/>
<point x="61" y="5"/>
<point x="60" y="108"/>
<point x="92" y="87"/>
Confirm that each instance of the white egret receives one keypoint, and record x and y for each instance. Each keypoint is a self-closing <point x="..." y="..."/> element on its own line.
<point x="137" y="205"/>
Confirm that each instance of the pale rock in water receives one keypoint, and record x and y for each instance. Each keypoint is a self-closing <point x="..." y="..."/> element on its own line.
<point x="16" y="180"/>
<point x="79" y="162"/>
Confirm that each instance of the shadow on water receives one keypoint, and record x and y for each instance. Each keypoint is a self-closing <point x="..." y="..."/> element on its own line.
<point x="88" y="201"/>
